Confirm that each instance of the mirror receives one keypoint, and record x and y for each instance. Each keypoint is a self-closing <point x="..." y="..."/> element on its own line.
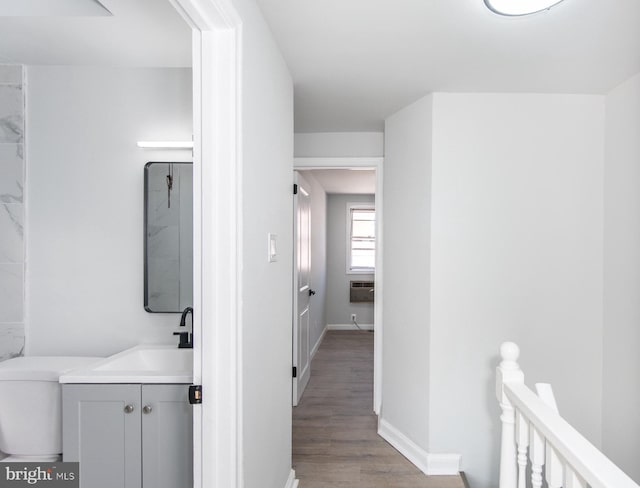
<point x="168" y="236"/>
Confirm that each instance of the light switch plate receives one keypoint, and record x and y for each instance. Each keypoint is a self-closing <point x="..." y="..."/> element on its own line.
<point x="273" y="247"/>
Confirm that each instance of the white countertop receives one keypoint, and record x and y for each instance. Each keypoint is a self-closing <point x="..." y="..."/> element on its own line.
<point x="145" y="363"/>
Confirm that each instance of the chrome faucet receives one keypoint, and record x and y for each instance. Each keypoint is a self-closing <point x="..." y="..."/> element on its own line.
<point x="186" y="338"/>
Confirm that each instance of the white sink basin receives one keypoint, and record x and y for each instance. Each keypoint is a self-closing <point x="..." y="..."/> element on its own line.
<point x="140" y="364"/>
<point x="150" y="360"/>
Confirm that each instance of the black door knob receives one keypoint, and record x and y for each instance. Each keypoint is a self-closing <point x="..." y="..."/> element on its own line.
<point x="311" y="292"/>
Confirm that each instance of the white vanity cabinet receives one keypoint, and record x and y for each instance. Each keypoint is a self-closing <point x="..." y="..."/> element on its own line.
<point x="129" y="435"/>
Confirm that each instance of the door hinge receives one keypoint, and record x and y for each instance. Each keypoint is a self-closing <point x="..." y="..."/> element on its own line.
<point x="295" y="188"/>
<point x="295" y="372"/>
<point x="195" y="394"/>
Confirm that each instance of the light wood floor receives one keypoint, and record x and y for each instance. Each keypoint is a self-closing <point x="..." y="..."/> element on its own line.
<point x="335" y="443"/>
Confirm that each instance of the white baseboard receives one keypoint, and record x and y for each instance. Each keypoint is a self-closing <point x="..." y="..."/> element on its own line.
<point x="316" y="346"/>
<point x="443" y="464"/>
<point x="349" y="327"/>
<point x="429" y="464"/>
<point x="292" y="482"/>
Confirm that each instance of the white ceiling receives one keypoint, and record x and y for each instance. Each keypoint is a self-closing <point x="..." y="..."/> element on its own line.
<point x="52" y="7"/>
<point x="355" y="62"/>
<point x="345" y="180"/>
<point x="144" y="33"/>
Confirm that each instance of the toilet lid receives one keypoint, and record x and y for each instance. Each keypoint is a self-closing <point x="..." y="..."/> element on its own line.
<point x="41" y="368"/>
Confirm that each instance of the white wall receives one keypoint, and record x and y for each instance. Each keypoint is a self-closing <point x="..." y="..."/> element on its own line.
<point x="12" y="179"/>
<point x="338" y="306"/>
<point x="85" y="202"/>
<point x="407" y="211"/>
<point x="516" y="232"/>
<point x="621" y="374"/>
<point x="339" y="144"/>
<point x="317" y="317"/>
<point x="267" y="176"/>
<point x="504" y="196"/>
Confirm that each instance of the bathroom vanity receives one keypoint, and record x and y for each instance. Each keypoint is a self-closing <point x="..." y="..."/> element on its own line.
<point x="128" y="421"/>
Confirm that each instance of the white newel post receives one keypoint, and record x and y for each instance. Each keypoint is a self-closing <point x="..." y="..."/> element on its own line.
<point x="508" y="371"/>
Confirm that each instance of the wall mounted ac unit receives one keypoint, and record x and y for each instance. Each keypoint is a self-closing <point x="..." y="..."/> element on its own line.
<point x="361" y="291"/>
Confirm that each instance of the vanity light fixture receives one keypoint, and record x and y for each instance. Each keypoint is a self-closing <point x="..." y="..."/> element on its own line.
<point x="519" y="7"/>
<point x="166" y="144"/>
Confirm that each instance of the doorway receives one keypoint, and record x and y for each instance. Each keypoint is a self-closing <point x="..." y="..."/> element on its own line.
<point x="334" y="263"/>
<point x="354" y="166"/>
<point x="340" y="318"/>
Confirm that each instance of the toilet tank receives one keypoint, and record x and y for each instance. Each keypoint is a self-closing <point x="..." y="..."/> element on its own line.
<point x="31" y="404"/>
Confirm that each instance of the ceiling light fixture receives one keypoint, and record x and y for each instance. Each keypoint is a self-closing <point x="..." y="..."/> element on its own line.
<point x="520" y="7"/>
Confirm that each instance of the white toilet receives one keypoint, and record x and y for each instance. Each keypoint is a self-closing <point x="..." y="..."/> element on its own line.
<point x="31" y="407"/>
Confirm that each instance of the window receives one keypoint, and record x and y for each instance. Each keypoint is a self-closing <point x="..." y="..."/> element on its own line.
<point x="361" y="245"/>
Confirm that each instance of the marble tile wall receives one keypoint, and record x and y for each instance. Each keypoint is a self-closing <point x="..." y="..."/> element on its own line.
<point x="12" y="245"/>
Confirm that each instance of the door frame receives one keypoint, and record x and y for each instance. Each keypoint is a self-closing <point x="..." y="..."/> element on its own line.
<point x="217" y="193"/>
<point x="374" y="163"/>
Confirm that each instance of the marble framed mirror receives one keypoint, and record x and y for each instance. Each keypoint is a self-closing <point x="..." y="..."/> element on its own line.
<point x="168" y="236"/>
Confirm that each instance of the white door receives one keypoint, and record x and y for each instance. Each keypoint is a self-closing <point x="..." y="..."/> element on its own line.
<point x="302" y="288"/>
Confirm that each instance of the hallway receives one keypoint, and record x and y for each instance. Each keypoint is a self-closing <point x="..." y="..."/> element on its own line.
<point x="335" y="443"/>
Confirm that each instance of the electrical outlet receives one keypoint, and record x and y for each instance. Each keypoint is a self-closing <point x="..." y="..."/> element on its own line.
<point x="353" y="317"/>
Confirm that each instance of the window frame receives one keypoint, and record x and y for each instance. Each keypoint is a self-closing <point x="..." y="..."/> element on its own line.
<point x="358" y="206"/>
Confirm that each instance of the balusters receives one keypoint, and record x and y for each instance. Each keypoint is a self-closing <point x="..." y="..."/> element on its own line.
<point x="536" y="454"/>
<point x="572" y="479"/>
<point x="554" y="468"/>
<point x="557" y="473"/>
<point x="522" y="441"/>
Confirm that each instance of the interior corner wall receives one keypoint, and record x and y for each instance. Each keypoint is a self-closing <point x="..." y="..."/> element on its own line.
<point x="517" y="245"/>
<point x="621" y="372"/>
<point x="317" y="315"/>
<point x="267" y="288"/>
<point x="338" y="306"/>
<point x="12" y="215"/>
<point x="407" y="241"/>
<point x="84" y="202"/>
<point x="339" y="144"/>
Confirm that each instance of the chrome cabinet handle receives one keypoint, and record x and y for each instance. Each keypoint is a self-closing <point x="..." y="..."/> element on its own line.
<point x="147" y="409"/>
<point x="129" y="408"/>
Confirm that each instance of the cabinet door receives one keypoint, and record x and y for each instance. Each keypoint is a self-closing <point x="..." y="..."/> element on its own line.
<point x="101" y="430"/>
<point x="167" y="437"/>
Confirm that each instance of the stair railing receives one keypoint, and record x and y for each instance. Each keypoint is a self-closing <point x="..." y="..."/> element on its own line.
<point x="533" y="431"/>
